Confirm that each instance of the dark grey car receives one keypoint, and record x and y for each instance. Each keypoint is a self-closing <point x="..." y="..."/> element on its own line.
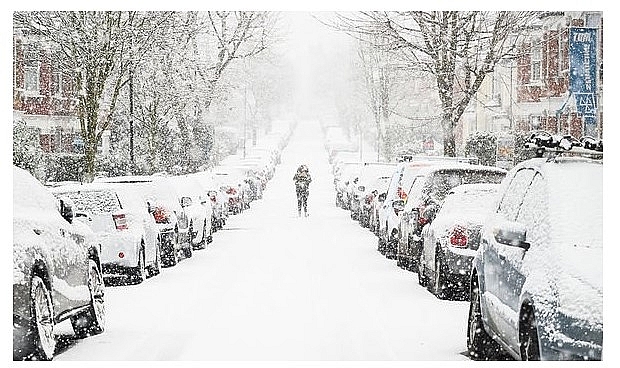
<point x="56" y="271"/>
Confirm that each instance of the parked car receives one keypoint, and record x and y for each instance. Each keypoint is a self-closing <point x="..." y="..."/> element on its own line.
<point x="430" y="187"/>
<point x="216" y="196"/>
<point x="231" y="185"/>
<point x="536" y="286"/>
<point x="170" y="218"/>
<point x="362" y="192"/>
<point x="123" y="226"/>
<point x="451" y="239"/>
<point x="377" y="197"/>
<point x="400" y="183"/>
<point x="345" y="176"/>
<point x="56" y="271"/>
<point x="197" y="205"/>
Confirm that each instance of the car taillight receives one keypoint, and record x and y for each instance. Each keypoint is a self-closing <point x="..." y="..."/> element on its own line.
<point x="161" y="216"/>
<point x="369" y="199"/>
<point x="231" y="191"/>
<point x="421" y="219"/>
<point x="458" y="237"/>
<point x="401" y="193"/>
<point x="120" y="221"/>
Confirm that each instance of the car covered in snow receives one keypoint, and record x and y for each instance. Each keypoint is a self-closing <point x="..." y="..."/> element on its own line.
<point x="451" y="239"/>
<point x="536" y="287"/>
<point x="362" y="192"/>
<point x="127" y="232"/>
<point x="170" y="218"/>
<point x="56" y="271"/>
<point x="197" y="204"/>
<point x="430" y="186"/>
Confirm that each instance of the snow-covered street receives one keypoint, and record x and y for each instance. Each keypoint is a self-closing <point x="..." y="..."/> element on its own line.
<point x="273" y="286"/>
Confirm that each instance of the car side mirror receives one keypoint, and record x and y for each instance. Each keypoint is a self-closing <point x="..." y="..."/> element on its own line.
<point x="430" y="212"/>
<point x="512" y="234"/>
<point x="66" y="210"/>
<point x="82" y="216"/>
<point x="186" y="201"/>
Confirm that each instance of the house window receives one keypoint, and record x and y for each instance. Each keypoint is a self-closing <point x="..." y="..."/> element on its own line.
<point x="496" y="93"/>
<point x="536" y="60"/>
<point x="32" y="67"/>
<point x="57" y="86"/>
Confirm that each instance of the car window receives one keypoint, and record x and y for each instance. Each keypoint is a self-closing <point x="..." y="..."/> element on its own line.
<point x="532" y="212"/>
<point x="94" y="201"/>
<point x="509" y="205"/>
<point x="470" y="202"/>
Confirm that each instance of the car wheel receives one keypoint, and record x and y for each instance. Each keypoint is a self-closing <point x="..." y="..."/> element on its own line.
<point x="41" y="340"/>
<point x="188" y="251"/>
<point x="210" y="236"/>
<point x="480" y="344"/>
<point x="156" y="266"/>
<point x="171" y="258"/>
<point x="529" y="336"/>
<point x="421" y="273"/>
<point x="138" y="273"/>
<point x="380" y="243"/>
<point x="440" y="286"/>
<point x="92" y="320"/>
<point x="203" y="242"/>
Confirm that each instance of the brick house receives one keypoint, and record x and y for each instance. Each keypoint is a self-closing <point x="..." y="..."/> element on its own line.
<point x="531" y="91"/>
<point x="44" y="94"/>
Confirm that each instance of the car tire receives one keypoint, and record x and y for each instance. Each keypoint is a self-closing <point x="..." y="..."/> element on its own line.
<point x="156" y="266"/>
<point x="171" y="258"/>
<point x="528" y="336"/>
<point x="137" y="275"/>
<point x="40" y="341"/>
<point x="439" y="281"/>
<point x="188" y="250"/>
<point x="480" y="344"/>
<point x="92" y="320"/>
<point x="203" y="241"/>
<point x="422" y="280"/>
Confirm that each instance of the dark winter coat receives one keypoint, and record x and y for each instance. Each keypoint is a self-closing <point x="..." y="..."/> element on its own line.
<point x="302" y="181"/>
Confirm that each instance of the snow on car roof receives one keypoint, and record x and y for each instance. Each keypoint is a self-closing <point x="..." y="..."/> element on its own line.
<point x="29" y="195"/>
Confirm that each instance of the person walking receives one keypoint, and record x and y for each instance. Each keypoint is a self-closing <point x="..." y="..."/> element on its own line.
<point x="302" y="181"/>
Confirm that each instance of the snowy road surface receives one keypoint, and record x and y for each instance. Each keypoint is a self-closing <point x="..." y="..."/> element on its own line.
<point x="273" y="286"/>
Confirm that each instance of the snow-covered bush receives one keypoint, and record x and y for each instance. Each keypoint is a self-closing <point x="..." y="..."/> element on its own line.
<point x="482" y="145"/>
<point x="26" y="147"/>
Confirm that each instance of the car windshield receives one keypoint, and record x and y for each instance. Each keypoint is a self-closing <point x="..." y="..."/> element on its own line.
<point x="470" y="202"/>
<point x="444" y="180"/>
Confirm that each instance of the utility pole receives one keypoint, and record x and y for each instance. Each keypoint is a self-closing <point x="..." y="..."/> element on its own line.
<point x="245" y="104"/>
<point x="131" y="156"/>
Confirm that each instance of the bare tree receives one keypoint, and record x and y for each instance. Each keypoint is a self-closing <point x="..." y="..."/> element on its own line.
<point x="458" y="48"/>
<point x="238" y="35"/>
<point x="99" y="49"/>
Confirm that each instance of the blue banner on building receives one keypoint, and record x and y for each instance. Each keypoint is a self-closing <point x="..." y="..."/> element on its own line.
<point x="582" y="48"/>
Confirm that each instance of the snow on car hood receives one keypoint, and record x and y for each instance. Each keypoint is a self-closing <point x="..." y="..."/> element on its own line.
<point x="576" y="219"/>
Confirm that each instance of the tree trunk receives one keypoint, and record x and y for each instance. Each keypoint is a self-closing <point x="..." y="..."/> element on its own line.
<point x="449" y="141"/>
